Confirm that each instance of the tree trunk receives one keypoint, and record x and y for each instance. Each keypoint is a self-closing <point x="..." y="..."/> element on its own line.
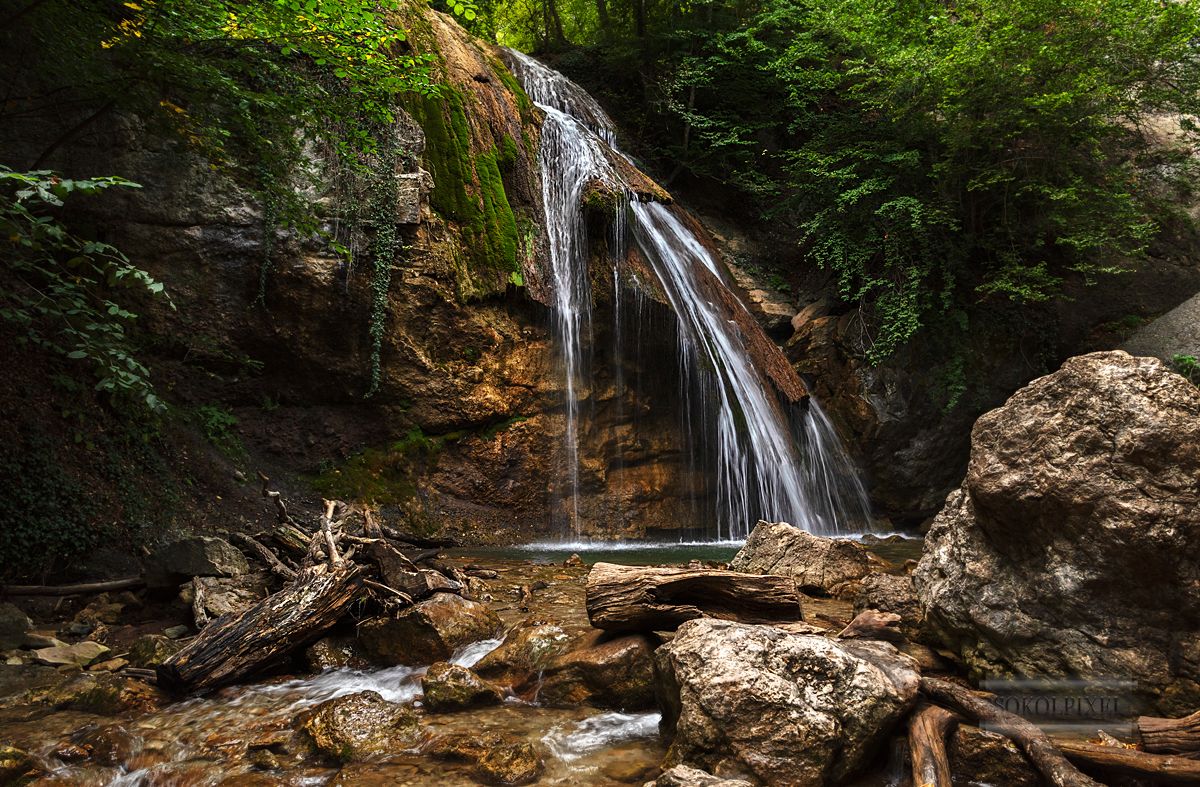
<point x="237" y="646"/>
<point x="635" y="598"/>
<point x="927" y="728"/>
<point x="1130" y="763"/>
<point x="1170" y="736"/>
<point x="1041" y="752"/>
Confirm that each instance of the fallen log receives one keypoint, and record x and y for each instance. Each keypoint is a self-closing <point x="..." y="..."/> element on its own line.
<point x="1131" y="763"/>
<point x="269" y="558"/>
<point x="927" y="728"/>
<point x="84" y="588"/>
<point x="233" y="647"/>
<point x="1170" y="736"/>
<point x="1051" y="762"/>
<point x="644" y="598"/>
<point x="416" y="540"/>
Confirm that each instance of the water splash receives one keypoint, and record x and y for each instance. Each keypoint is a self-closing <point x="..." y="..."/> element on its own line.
<point x="766" y="461"/>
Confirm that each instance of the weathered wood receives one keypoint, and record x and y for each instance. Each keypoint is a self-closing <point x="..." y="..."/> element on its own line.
<point x="1170" y="736"/>
<point x="233" y="647"/>
<point x="644" y="598"/>
<point x="292" y="540"/>
<point x="416" y="540"/>
<point x="281" y="512"/>
<point x="84" y="588"/>
<point x="873" y="624"/>
<point x="199" y="599"/>
<point x="927" y="728"/>
<point x="269" y="558"/>
<point x="1057" y="769"/>
<point x="331" y="551"/>
<point x="1113" y="761"/>
<point x="371" y="527"/>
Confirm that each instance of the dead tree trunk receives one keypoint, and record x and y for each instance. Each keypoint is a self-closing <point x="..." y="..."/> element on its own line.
<point x="1041" y="752"/>
<point x="236" y="646"/>
<point x="927" y="728"/>
<point x="1130" y="763"/>
<point x="1170" y="736"/>
<point x="636" y="598"/>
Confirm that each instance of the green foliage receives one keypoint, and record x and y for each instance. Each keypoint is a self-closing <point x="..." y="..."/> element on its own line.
<point x="1188" y="366"/>
<point x="46" y="512"/>
<point x="384" y="197"/>
<point x="69" y="294"/>
<point x="219" y="427"/>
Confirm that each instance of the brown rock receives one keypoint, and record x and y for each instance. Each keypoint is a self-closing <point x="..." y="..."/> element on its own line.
<point x="825" y="566"/>
<point x="102" y="693"/>
<point x="14" y="764"/>
<point x="427" y="632"/>
<point x="497" y="760"/>
<point x="603" y="671"/>
<point x="151" y="650"/>
<point x="892" y="593"/>
<point x="334" y="652"/>
<point x="980" y="757"/>
<point x="449" y="687"/>
<point x="1071" y="548"/>
<point x="528" y="647"/>
<point x="358" y="726"/>
<point x="685" y="776"/>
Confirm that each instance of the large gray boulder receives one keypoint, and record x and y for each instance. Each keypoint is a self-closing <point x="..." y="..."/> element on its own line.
<point x="782" y="708"/>
<point x="13" y="625"/>
<point x="834" y="566"/>
<point x="1073" y="546"/>
<point x="196" y="556"/>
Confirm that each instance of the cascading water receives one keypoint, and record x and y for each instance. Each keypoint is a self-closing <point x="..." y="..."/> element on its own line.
<point x="768" y="461"/>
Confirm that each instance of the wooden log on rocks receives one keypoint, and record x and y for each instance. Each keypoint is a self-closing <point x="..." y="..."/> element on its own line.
<point x="927" y="728"/>
<point x="1116" y="761"/>
<point x="1051" y="762"/>
<point x="645" y="598"/>
<point x="236" y="646"/>
<point x="108" y="586"/>
<point x="1170" y="736"/>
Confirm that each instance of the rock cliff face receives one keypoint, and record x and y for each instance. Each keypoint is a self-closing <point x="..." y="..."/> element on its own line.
<point x="464" y="434"/>
<point x="1073" y="546"/>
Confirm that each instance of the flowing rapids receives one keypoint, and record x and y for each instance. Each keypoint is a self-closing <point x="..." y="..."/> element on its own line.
<point x="765" y="459"/>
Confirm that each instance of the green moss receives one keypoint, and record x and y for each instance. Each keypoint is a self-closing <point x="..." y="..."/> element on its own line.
<point x="524" y="105"/>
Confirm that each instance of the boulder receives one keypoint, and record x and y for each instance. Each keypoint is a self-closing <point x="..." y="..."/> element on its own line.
<point x="450" y="687"/>
<point x="603" y="671"/>
<point x="1072" y="547"/>
<point x="981" y="757"/>
<point x="786" y="709"/>
<point x="13" y="625"/>
<point x="79" y="654"/>
<point x="892" y="593"/>
<point x="528" y="647"/>
<point x="197" y="556"/>
<point x="151" y="650"/>
<point x="824" y="566"/>
<point x="213" y="597"/>
<point x="684" y="776"/>
<point x="497" y="760"/>
<point x="102" y="693"/>
<point x="362" y="725"/>
<point x="334" y="652"/>
<point x="428" y="631"/>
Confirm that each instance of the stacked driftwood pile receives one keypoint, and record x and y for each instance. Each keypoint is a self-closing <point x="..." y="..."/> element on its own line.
<point x="345" y="561"/>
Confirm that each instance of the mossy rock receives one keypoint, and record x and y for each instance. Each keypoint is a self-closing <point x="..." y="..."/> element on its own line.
<point x="450" y="687"/>
<point x="360" y="726"/>
<point x="151" y="650"/>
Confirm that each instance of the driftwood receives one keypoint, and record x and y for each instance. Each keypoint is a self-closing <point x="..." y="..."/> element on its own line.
<point x="1130" y="763"/>
<point x="418" y="541"/>
<point x="927" y="728"/>
<point x="281" y="512"/>
<point x="128" y="583"/>
<point x="236" y="646"/>
<point x="1041" y="752"/>
<point x="643" y="598"/>
<point x="269" y="558"/>
<point x="1170" y="736"/>
<point x="873" y="624"/>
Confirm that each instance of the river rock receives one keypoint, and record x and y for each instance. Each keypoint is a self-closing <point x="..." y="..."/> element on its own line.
<point x="102" y="693"/>
<point x="1072" y="547"/>
<point x="450" y="687"/>
<point x="198" y="556"/>
<point x="13" y="625"/>
<point x="603" y="671"/>
<point x="150" y="650"/>
<point x="14" y="764"/>
<point x="787" y="709"/>
<point x="334" y="652"/>
<point x="79" y="654"/>
<point x="825" y="566"/>
<point x="428" y="631"/>
<point x="497" y="759"/>
<point x="685" y="776"/>
<point x="892" y="593"/>
<point x="981" y="757"/>
<point x="361" y="725"/>
<point x="528" y="648"/>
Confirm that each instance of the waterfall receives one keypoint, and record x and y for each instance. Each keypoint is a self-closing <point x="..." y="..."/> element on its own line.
<point x="769" y="459"/>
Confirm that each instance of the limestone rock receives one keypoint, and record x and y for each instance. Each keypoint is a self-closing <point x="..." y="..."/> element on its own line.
<point x="1073" y="546"/>
<point x="450" y="687"/>
<point x="684" y="776"/>
<point x="13" y="625"/>
<point x="528" y="647"/>
<point x="981" y="757"/>
<point x="213" y="597"/>
<point x="603" y="671"/>
<point x="427" y="632"/>
<point x="361" y="725"/>
<point x="80" y="654"/>
<point x="198" y="556"/>
<point x="497" y="760"/>
<point x="151" y="650"/>
<point x="833" y="566"/>
<point x="796" y="710"/>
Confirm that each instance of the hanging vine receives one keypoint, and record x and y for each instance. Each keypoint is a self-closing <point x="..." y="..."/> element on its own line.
<point x="383" y="194"/>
